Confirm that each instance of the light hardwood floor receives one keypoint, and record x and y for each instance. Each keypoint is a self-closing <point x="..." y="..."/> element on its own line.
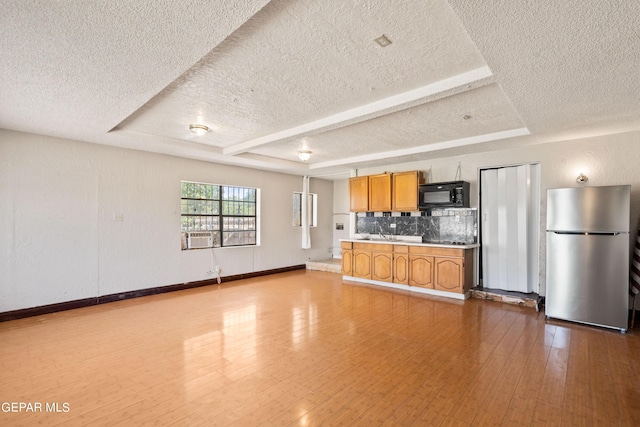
<point x="306" y="348"/>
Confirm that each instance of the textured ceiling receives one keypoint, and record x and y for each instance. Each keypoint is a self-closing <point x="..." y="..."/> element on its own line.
<point x="271" y="78"/>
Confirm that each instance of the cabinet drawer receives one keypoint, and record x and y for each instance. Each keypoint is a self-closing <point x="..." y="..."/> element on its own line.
<point x="373" y="247"/>
<point x="425" y="250"/>
<point x="346" y="245"/>
<point x="401" y="249"/>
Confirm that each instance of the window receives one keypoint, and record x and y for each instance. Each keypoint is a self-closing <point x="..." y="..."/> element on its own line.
<point x="218" y="215"/>
<point x="297" y="209"/>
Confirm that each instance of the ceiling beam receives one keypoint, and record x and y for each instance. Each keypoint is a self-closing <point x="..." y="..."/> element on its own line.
<point x="365" y="112"/>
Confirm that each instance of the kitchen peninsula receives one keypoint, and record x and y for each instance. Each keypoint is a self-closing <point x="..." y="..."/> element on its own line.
<point x="435" y="269"/>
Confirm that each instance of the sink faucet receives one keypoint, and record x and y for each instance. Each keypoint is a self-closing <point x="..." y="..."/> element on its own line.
<point x="382" y="236"/>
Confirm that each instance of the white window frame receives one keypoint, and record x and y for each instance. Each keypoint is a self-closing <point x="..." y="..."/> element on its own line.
<point x="219" y="231"/>
<point x="313" y="209"/>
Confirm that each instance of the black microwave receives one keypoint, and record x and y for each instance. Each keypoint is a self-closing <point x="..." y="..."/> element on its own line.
<point x="454" y="194"/>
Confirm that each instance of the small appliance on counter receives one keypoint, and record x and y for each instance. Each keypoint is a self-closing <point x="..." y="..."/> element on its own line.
<point x="454" y="194"/>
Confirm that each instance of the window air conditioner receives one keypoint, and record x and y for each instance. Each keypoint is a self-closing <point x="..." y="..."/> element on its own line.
<point x="199" y="239"/>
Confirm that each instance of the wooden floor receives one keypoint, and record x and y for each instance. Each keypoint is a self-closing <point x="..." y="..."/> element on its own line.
<point x="306" y="348"/>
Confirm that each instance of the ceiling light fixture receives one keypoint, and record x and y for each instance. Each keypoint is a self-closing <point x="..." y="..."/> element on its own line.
<point x="582" y="178"/>
<point x="382" y="41"/>
<point x="304" y="155"/>
<point x="199" y="129"/>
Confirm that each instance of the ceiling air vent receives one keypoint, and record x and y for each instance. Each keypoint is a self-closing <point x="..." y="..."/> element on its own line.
<point x="382" y="41"/>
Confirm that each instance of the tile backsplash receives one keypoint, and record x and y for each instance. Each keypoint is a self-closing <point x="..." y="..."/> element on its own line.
<point x="434" y="225"/>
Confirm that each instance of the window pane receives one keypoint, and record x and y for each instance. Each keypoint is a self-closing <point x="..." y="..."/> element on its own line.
<point x="237" y="238"/>
<point x="216" y="239"/>
<point x="297" y="210"/>
<point x="197" y="207"/>
<point x="238" y="223"/>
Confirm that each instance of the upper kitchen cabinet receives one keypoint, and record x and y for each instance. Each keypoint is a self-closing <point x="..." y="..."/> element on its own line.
<point x="385" y="192"/>
<point x="380" y="192"/>
<point x="405" y="190"/>
<point x="359" y="194"/>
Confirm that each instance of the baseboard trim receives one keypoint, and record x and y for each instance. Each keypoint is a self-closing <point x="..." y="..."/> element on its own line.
<point x="104" y="299"/>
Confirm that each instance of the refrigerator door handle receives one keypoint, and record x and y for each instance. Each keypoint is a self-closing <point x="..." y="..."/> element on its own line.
<point x="588" y="233"/>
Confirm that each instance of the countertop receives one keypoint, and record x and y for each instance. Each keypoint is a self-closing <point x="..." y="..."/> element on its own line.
<point x="411" y="243"/>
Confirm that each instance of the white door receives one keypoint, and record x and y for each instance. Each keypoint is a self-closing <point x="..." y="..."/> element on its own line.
<point x="510" y="228"/>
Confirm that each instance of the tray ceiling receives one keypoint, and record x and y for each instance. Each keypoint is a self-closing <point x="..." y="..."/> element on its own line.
<point x="271" y="78"/>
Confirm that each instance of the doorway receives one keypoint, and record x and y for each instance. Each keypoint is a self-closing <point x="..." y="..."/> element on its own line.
<point x="510" y="228"/>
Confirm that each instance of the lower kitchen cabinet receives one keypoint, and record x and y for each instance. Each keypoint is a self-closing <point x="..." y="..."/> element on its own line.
<point x="432" y="269"/>
<point x="362" y="264"/>
<point x="401" y="264"/>
<point x="421" y="271"/>
<point x="382" y="261"/>
<point x="441" y="269"/>
<point x="347" y="258"/>
<point x="454" y="274"/>
<point x="449" y="274"/>
<point x="361" y="261"/>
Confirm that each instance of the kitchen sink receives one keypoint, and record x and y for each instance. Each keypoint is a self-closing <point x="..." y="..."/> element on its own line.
<point x="377" y="239"/>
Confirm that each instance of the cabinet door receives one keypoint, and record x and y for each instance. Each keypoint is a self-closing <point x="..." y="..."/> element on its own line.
<point x="359" y="194"/>
<point x="380" y="192"/>
<point x="405" y="191"/>
<point x="401" y="269"/>
<point x="421" y="271"/>
<point x="449" y="274"/>
<point x="382" y="266"/>
<point x="347" y="262"/>
<point x="362" y="264"/>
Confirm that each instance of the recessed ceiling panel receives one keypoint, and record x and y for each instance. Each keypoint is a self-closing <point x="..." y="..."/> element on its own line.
<point x="564" y="64"/>
<point x="295" y="62"/>
<point x="481" y="111"/>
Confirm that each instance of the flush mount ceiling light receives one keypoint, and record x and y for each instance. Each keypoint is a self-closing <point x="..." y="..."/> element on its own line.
<point x="199" y="129"/>
<point x="382" y="41"/>
<point x="304" y="155"/>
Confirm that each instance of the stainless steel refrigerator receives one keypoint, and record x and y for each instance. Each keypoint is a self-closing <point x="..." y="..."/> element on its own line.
<point x="588" y="255"/>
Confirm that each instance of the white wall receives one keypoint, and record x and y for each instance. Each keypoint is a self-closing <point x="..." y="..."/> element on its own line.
<point x="60" y="241"/>
<point x="606" y="160"/>
<point x="341" y="214"/>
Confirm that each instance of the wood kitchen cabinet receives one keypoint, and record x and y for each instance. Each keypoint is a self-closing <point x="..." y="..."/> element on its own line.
<point x="421" y="271"/>
<point x="433" y="269"/>
<point x="362" y="260"/>
<point x="454" y="274"/>
<point x="405" y="190"/>
<point x="359" y="194"/>
<point x="438" y="268"/>
<point x="449" y="274"/>
<point x="382" y="263"/>
<point x="401" y="264"/>
<point x="380" y="192"/>
<point x="385" y="192"/>
<point x="347" y="258"/>
<point x="373" y="261"/>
